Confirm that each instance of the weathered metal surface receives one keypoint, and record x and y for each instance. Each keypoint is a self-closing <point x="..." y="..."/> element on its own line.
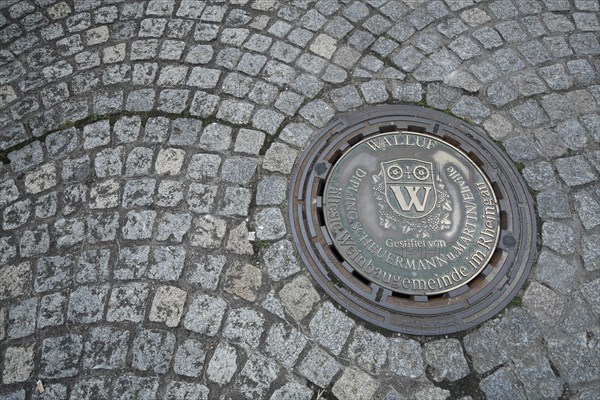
<point x="412" y="219"/>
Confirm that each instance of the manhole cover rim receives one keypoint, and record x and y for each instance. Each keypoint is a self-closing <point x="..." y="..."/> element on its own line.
<point x="404" y="320"/>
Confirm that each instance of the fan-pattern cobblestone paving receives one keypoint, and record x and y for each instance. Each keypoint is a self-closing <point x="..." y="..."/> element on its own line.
<point x="146" y="152"/>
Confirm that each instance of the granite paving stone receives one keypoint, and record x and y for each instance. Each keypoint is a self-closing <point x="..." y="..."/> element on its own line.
<point x="319" y="367"/>
<point x="146" y="152"/>
<point x="331" y="327"/>
<point x="355" y="384"/>
<point x="106" y="349"/>
<point x="446" y="359"/>
<point x="223" y="364"/>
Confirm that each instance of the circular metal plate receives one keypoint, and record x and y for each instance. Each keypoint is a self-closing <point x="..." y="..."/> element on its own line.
<point x="411" y="213"/>
<point x="412" y="219"/>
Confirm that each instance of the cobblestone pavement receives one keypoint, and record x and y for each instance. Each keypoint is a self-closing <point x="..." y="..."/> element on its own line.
<point x="144" y="143"/>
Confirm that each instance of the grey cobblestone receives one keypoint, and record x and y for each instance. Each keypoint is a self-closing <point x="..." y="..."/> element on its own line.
<point x="144" y="144"/>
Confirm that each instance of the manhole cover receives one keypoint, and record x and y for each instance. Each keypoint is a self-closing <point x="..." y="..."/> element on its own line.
<point x="412" y="219"/>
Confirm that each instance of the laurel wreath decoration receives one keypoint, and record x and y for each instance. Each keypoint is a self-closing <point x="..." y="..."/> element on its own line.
<point x="436" y="220"/>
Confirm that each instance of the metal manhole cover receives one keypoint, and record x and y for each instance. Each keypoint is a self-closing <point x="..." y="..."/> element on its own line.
<point x="412" y="219"/>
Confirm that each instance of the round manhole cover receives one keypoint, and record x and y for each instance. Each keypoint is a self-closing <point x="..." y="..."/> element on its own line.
<point x="412" y="219"/>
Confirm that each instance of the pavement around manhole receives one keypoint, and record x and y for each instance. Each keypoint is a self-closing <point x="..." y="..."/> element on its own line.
<point x="147" y="150"/>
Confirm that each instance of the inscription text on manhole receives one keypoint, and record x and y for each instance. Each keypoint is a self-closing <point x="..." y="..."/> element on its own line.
<point x="411" y="213"/>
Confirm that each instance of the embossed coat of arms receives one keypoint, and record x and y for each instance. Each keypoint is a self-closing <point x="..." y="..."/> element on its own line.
<point x="411" y="197"/>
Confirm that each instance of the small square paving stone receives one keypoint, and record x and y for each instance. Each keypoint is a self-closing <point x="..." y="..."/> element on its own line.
<point x="543" y="304"/>
<point x="243" y="280"/>
<point x="575" y="170"/>
<point x="293" y="390"/>
<point x="167" y="306"/>
<point x="52" y="310"/>
<point x="15" y="280"/>
<point x="239" y="170"/>
<point x="40" y="179"/>
<point x="138" y="192"/>
<point x="279" y="258"/>
<point x="355" y="384"/>
<point x="173" y="226"/>
<point x="18" y="364"/>
<point x="128" y="303"/>
<point x="317" y="113"/>
<point x="555" y="272"/>
<point x="184" y="132"/>
<point x="22" y="318"/>
<point x="203" y="165"/>
<point x="53" y="273"/>
<point x="345" y="98"/>
<point x="271" y="190"/>
<point x="77" y="169"/>
<point x="168" y="263"/>
<point x="540" y="176"/>
<point x="298" y="297"/>
<point x="131" y="387"/>
<point x="406" y="358"/>
<point x="446" y="359"/>
<point x="319" y="367"/>
<point x="152" y="351"/>
<point x="216" y="137"/>
<point x="522" y="148"/>
<point x="170" y="194"/>
<point x="208" y="232"/>
<point x="535" y="372"/>
<point x="88" y="388"/>
<point x="139" y="161"/>
<point x="205" y="314"/>
<point x="8" y="192"/>
<point x="368" y="349"/>
<point x="374" y="91"/>
<point x="267" y="120"/>
<point x="236" y="201"/>
<point x="501" y="384"/>
<point x="235" y="112"/>
<point x="238" y="240"/>
<point x="169" y="161"/>
<point x="189" y="358"/>
<point x="96" y="134"/>
<point x="249" y="141"/>
<point x="26" y="157"/>
<point x="331" y="327"/>
<point x="223" y="364"/>
<point x="187" y="391"/>
<point x="203" y="104"/>
<point x="559" y="237"/>
<point x="132" y="262"/>
<point x="8" y="249"/>
<point x="269" y="224"/>
<point x="46" y="206"/>
<point x="529" y="114"/>
<point x="106" y="348"/>
<point x="109" y="162"/>
<point x="588" y="209"/>
<point x="285" y="344"/>
<point x="34" y="242"/>
<point x="139" y="225"/>
<point x="573" y="359"/>
<point x="102" y="227"/>
<point x="60" y="356"/>
<point x="590" y="292"/>
<point x="244" y="327"/>
<point x="590" y="252"/>
<point x="280" y="158"/>
<point x="87" y="304"/>
<point x="205" y="271"/>
<point x="256" y="376"/>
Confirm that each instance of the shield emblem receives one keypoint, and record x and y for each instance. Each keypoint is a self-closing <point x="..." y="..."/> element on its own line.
<point x="409" y="187"/>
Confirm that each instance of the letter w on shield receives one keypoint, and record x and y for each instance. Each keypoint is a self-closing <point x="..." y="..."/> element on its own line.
<point x="409" y="187"/>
